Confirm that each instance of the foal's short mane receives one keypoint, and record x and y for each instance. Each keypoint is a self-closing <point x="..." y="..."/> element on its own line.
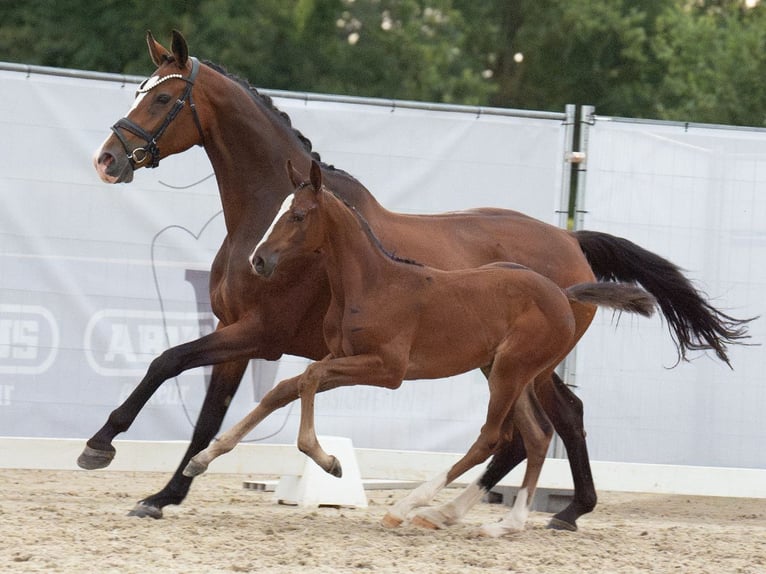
<point x="268" y="102"/>
<point x="368" y="230"/>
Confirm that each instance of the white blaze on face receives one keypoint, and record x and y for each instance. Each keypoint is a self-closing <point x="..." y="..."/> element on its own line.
<point x="100" y="168"/>
<point x="285" y="207"/>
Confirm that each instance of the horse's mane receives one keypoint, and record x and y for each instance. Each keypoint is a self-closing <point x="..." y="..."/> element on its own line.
<point x="268" y="102"/>
<point x="371" y="234"/>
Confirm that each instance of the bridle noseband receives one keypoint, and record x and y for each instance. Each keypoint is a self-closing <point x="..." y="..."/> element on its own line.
<point x="139" y="155"/>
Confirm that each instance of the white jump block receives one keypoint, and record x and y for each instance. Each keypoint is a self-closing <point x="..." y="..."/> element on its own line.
<point x="315" y="487"/>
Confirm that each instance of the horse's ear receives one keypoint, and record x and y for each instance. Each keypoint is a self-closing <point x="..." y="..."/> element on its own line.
<point x="157" y="52"/>
<point x="180" y="48"/>
<point x="316" y="176"/>
<point x="295" y="177"/>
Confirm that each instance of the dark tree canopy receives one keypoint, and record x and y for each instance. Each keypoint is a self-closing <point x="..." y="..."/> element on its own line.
<point x="688" y="60"/>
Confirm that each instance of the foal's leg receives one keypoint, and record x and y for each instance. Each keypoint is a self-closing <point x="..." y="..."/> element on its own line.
<point x="536" y="432"/>
<point x="229" y="439"/>
<point x="343" y="371"/>
<point x="506" y="381"/>
<point x="565" y="411"/>
<point x="318" y="377"/>
<point x="528" y="416"/>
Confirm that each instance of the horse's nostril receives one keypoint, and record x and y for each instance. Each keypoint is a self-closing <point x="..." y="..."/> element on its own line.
<point x="259" y="265"/>
<point x="106" y="159"/>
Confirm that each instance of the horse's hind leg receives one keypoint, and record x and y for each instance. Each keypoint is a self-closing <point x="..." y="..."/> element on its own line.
<point x="224" y="382"/>
<point x="565" y="410"/>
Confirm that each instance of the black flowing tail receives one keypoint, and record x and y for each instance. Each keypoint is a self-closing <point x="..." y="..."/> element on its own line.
<point x="694" y="323"/>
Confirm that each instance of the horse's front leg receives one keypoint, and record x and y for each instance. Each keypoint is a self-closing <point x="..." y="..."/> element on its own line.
<point x="224" y="382"/>
<point x="225" y="344"/>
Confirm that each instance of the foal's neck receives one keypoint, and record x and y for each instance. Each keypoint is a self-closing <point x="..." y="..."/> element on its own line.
<point x="355" y="258"/>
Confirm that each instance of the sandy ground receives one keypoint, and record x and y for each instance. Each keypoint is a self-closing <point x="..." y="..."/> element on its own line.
<point x="69" y="521"/>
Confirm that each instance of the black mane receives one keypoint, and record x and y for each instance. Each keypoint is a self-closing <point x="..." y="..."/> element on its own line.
<point x="269" y="103"/>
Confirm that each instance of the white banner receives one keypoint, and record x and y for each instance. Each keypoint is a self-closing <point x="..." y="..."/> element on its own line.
<point x="96" y="280"/>
<point x="694" y="195"/>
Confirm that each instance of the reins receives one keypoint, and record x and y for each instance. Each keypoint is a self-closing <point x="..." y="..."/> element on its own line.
<point x="139" y="155"/>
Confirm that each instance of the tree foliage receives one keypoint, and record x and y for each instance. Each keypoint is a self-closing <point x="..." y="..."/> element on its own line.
<point x="689" y="60"/>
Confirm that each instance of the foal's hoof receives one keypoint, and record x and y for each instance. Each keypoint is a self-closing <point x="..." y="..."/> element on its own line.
<point x="423" y="522"/>
<point x="194" y="468"/>
<point x="146" y="510"/>
<point x="91" y="458"/>
<point x="558" y="524"/>
<point x="432" y="519"/>
<point x="335" y="468"/>
<point x="391" y="521"/>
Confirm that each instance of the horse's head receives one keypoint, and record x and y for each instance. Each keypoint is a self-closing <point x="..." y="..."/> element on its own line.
<point x="299" y="230"/>
<point x="163" y="109"/>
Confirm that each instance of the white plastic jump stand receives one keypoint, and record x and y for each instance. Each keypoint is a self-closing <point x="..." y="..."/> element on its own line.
<point x="315" y="487"/>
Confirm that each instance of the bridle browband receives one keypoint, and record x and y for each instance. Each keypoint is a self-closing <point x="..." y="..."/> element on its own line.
<point x="139" y="155"/>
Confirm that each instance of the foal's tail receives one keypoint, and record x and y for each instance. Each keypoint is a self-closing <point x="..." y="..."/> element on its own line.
<point x="619" y="296"/>
<point x="694" y="323"/>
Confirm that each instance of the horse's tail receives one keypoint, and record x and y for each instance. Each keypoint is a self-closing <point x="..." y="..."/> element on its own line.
<point x="694" y="323"/>
<point x="619" y="296"/>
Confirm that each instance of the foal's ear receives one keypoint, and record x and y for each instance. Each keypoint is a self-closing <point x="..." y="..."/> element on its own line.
<point x="316" y="176"/>
<point x="295" y="176"/>
<point x="180" y="49"/>
<point x="157" y="52"/>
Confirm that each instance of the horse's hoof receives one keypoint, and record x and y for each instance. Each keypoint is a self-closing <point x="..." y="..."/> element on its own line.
<point x="391" y="521"/>
<point x="558" y="524"/>
<point x="422" y="522"/>
<point x="92" y="459"/>
<point x="335" y="468"/>
<point x="194" y="468"/>
<point x="145" y="510"/>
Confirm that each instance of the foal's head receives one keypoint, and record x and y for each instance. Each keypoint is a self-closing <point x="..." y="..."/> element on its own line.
<point x="300" y="230"/>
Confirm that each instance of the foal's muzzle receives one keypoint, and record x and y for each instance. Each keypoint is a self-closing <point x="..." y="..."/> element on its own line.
<point x="262" y="266"/>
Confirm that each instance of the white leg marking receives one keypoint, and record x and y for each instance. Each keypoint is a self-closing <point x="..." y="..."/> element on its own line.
<point x="514" y="521"/>
<point x="419" y="496"/>
<point x="452" y="512"/>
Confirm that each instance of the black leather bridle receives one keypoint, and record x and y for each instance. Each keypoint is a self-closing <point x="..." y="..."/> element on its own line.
<point x="151" y="150"/>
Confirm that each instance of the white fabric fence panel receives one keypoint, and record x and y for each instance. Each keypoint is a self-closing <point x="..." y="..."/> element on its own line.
<point x="695" y="195"/>
<point x="96" y="280"/>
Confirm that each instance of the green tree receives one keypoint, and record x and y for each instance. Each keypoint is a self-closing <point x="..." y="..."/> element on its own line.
<point x="690" y="60"/>
<point x="714" y="56"/>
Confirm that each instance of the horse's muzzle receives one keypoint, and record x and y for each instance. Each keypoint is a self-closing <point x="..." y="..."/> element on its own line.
<point x="113" y="169"/>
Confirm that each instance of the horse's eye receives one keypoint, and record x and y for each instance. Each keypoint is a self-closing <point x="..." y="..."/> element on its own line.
<point x="297" y="217"/>
<point x="163" y="98"/>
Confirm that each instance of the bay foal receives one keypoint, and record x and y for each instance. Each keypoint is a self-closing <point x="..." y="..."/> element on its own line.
<point x="392" y="319"/>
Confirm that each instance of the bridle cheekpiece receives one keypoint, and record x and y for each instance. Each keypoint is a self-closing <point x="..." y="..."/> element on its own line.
<point x="139" y="155"/>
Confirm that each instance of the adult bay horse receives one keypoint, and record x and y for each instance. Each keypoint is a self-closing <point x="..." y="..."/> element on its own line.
<point x="186" y="103"/>
<point x="392" y="319"/>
